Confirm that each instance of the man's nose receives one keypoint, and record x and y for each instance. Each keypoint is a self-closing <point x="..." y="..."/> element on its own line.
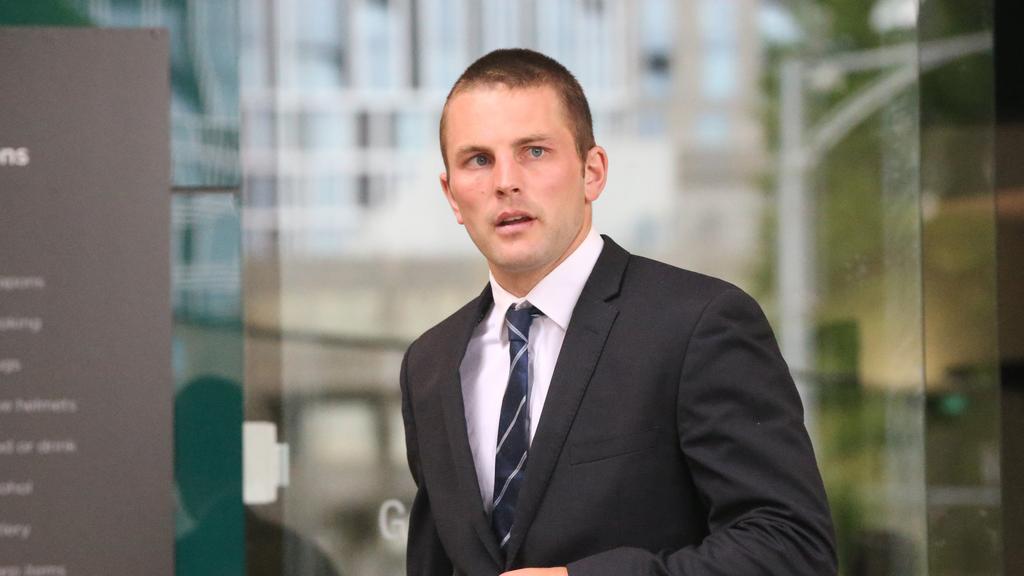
<point x="507" y="176"/>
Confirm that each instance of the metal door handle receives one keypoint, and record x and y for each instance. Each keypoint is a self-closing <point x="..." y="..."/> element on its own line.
<point x="265" y="463"/>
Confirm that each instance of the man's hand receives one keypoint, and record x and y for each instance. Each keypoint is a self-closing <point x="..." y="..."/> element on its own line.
<point x="538" y="572"/>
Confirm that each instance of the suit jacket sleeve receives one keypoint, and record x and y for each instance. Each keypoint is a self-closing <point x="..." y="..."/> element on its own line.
<point x="740" y="427"/>
<point x="425" y="555"/>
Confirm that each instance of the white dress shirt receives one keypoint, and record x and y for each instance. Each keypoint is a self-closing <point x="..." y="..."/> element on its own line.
<point x="485" y="366"/>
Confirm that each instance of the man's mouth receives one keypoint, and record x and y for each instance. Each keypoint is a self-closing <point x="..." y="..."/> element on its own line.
<point x="513" y="220"/>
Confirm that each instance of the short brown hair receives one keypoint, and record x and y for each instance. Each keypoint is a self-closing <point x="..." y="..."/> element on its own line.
<point x="523" y="68"/>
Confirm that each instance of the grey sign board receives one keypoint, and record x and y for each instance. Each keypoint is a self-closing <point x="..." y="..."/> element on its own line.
<point x="85" y="323"/>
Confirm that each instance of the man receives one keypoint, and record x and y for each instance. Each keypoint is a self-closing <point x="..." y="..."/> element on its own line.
<point x="592" y="412"/>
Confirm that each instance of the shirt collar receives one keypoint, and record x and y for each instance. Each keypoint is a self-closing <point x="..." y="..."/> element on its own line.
<point x="556" y="294"/>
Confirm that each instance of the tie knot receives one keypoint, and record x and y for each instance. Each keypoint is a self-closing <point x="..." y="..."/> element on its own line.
<point x="518" y="321"/>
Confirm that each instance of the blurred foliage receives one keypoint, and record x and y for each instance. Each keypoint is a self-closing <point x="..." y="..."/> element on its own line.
<point x="861" y="200"/>
<point x="959" y="269"/>
<point x="847" y="179"/>
<point x="840" y="25"/>
<point x="962" y="92"/>
<point x="861" y="427"/>
<point x="963" y="460"/>
<point x="860" y="191"/>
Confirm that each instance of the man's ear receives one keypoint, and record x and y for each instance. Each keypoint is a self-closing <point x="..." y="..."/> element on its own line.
<point x="595" y="173"/>
<point x="448" y="195"/>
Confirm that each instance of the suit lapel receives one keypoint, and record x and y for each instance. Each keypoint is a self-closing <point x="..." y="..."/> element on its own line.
<point x="455" y="423"/>
<point x="591" y="322"/>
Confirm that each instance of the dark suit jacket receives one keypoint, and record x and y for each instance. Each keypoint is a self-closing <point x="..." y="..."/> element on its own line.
<point x="671" y="441"/>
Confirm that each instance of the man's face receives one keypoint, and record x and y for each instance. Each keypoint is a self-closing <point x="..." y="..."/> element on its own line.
<point x="515" y="179"/>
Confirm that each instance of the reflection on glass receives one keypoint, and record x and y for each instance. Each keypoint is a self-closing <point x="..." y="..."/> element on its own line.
<point x="208" y="348"/>
<point x="959" y="267"/>
<point x="775" y="144"/>
<point x="207" y="466"/>
<point x="204" y="71"/>
<point x="847" y="273"/>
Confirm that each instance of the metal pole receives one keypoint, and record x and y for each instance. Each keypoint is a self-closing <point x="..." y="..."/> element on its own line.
<point x="795" y="250"/>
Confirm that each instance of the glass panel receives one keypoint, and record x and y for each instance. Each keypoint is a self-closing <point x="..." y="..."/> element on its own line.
<point x="204" y="71"/>
<point x="861" y="310"/>
<point x="1009" y="182"/>
<point x="959" y="266"/>
<point x="774" y="144"/>
<point x="208" y="349"/>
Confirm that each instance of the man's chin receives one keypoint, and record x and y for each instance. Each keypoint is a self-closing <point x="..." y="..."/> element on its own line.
<point x="515" y="264"/>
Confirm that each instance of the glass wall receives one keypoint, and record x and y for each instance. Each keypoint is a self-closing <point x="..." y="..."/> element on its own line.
<point x="833" y="158"/>
<point x="846" y="268"/>
<point x="777" y="144"/>
<point x="960" y="290"/>
<point x="208" y="371"/>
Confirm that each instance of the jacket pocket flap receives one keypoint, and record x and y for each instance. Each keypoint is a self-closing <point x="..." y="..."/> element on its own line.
<point x="594" y="450"/>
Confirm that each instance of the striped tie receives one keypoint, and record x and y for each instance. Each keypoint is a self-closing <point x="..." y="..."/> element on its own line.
<point x="513" y="425"/>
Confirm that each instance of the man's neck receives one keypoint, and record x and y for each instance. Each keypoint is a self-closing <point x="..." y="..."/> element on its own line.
<point x="519" y="284"/>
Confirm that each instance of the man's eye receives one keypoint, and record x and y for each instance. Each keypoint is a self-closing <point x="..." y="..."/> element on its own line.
<point x="479" y="160"/>
<point x="536" y="151"/>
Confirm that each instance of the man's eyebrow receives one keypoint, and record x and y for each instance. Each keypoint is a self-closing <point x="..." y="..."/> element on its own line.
<point x="478" y="149"/>
<point x="531" y="139"/>
<point x="470" y="149"/>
